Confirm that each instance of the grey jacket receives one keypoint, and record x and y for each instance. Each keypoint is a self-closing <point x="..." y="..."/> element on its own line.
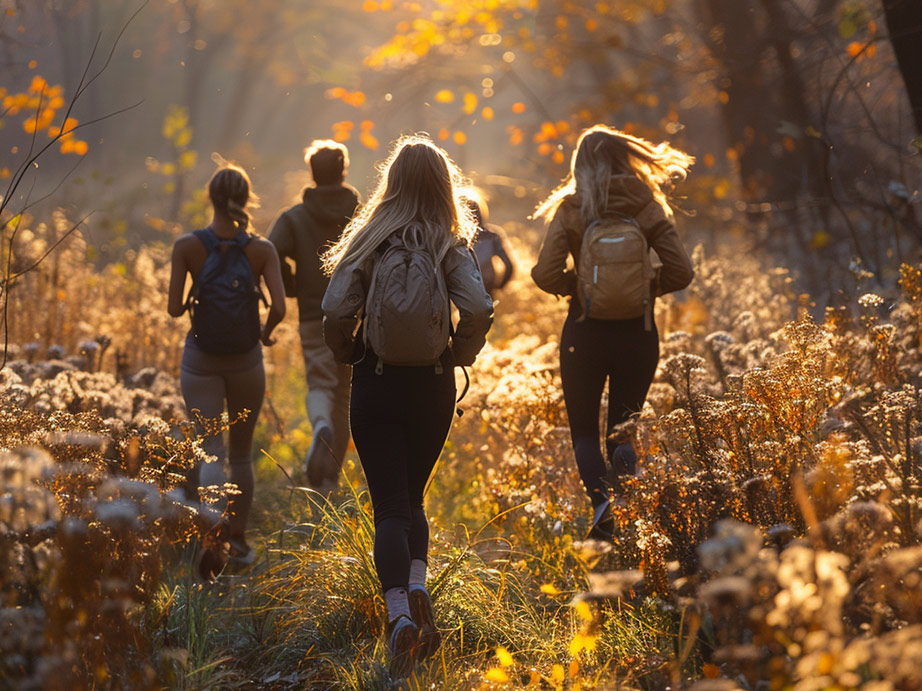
<point x="344" y="302"/>
<point x="627" y="195"/>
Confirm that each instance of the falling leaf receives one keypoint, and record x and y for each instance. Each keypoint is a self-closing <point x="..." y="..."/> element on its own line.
<point x="470" y="103"/>
<point x="504" y="657"/>
<point x="460" y="138"/>
<point x="487" y="113"/>
<point x="549" y="589"/>
<point x="445" y="96"/>
<point x="518" y="107"/>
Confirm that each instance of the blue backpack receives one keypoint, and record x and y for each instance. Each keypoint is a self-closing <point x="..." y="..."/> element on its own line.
<point x="224" y="300"/>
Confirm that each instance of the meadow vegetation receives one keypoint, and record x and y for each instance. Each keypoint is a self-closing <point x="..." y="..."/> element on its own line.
<point x="770" y="540"/>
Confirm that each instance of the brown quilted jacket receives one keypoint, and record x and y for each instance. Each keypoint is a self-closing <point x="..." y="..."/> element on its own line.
<point x="630" y="196"/>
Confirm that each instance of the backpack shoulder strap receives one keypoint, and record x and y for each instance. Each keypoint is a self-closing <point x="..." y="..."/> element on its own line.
<point x="207" y="237"/>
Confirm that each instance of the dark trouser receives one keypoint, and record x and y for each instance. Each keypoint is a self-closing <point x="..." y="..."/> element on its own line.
<point x="400" y="420"/>
<point x="592" y="351"/>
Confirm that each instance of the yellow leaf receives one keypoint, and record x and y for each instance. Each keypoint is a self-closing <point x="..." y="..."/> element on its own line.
<point x="579" y="643"/>
<point x="443" y="134"/>
<point x="583" y="610"/>
<point x="557" y="674"/>
<point x="487" y="113"/>
<point x="460" y="138"/>
<point x="518" y="107"/>
<point x="80" y="148"/>
<point x="187" y="159"/>
<point x="168" y="168"/>
<point x="549" y="589"/>
<point x="445" y="96"/>
<point x="496" y="674"/>
<point x="504" y="656"/>
<point x="557" y="157"/>
<point x="470" y="103"/>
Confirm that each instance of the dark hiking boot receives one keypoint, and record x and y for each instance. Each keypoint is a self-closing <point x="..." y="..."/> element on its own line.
<point x="215" y="552"/>
<point x="320" y="462"/>
<point x="421" y="610"/>
<point x="603" y="524"/>
<point x="241" y="554"/>
<point x="403" y="638"/>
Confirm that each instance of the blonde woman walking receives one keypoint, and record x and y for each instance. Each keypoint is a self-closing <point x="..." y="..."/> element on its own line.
<point x="611" y="203"/>
<point x="386" y="311"/>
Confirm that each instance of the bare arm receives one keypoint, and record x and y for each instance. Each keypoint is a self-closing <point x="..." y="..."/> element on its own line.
<point x="272" y="275"/>
<point x="178" y="268"/>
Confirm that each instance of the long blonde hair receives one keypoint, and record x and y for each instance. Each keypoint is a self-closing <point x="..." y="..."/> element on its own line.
<point x="419" y="187"/>
<point x="603" y="151"/>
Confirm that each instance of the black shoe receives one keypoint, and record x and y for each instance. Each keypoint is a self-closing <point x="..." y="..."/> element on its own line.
<point x="421" y="610"/>
<point x="215" y="552"/>
<point x="403" y="638"/>
<point x="603" y="524"/>
<point x="321" y="464"/>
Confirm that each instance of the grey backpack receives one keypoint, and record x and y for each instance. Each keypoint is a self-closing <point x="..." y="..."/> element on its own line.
<point x="615" y="271"/>
<point x="407" y="314"/>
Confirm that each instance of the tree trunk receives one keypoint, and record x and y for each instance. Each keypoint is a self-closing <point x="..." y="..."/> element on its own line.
<point x="904" y="24"/>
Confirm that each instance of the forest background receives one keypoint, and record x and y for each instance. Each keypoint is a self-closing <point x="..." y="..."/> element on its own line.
<point x="805" y="119"/>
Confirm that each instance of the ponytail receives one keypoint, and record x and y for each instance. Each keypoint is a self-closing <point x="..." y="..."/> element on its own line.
<point x="231" y="195"/>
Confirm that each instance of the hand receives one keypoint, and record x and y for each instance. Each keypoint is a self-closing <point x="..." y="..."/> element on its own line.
<point x="266" y="339"/>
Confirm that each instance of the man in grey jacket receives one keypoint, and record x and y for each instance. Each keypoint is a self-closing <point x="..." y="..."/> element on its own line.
<point x="300" y="234"/>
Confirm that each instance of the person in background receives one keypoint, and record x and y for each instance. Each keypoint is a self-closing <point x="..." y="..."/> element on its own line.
<point x="401" y="413"/>
<point x="222" y="362"/>
<point x="489" y="244"/>
<point x="301" y="233"/>
<point x="611" y="174"/>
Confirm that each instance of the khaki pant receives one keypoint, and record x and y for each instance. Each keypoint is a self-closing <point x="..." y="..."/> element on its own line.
<point x="328" y="386"/>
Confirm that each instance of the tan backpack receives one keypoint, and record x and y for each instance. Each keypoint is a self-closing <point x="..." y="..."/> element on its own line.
<point x="615" y="271"/>
<point x="407" y="317"/>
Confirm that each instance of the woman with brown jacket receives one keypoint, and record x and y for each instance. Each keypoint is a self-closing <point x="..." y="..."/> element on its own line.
<point x="611" y="174"/>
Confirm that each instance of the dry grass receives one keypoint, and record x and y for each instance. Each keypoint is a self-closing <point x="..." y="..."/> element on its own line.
<point x="770" y="540"/>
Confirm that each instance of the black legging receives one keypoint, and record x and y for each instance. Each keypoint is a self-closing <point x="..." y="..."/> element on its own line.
<point x="400" y="420"/>
<point x="592" y="351"/>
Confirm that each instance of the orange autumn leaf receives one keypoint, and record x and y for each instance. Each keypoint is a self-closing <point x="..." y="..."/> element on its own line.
<point x="518" y="107"/>
<point x="460" y="138"/>
<point x="710" y="671"/>
<point x="444" y="96"/>
<point x="368" y="140"/>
